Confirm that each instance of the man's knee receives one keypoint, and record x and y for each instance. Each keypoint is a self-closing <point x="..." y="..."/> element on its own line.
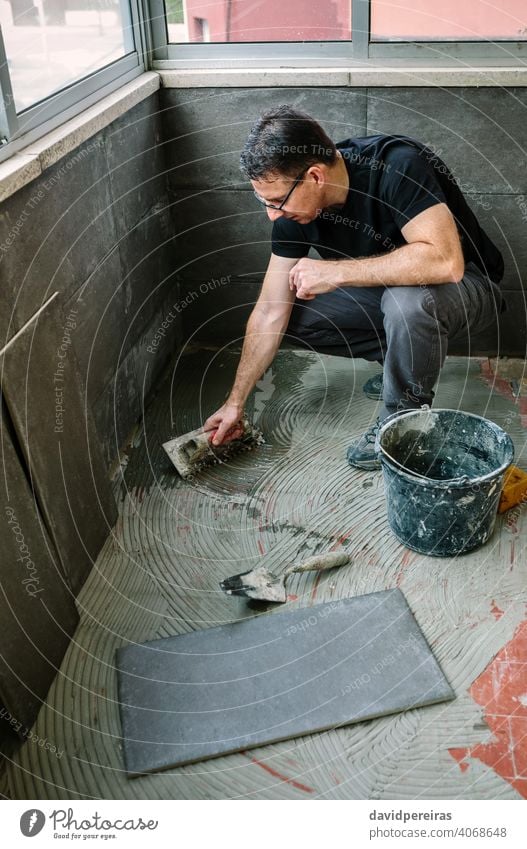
<point x="404" y="305"/>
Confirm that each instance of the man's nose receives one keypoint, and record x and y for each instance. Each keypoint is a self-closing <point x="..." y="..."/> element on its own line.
<point x="274" y="213"/>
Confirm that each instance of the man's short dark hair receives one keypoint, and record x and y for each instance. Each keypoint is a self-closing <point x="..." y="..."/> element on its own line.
<point x="284" y="141"/>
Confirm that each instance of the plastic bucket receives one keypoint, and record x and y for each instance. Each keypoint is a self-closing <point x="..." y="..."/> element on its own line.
<point x="443" y="474"/>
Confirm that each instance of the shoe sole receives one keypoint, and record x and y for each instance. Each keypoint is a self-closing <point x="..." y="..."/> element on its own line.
<point x="370" y="392"/>
<point x="365" y="465"/>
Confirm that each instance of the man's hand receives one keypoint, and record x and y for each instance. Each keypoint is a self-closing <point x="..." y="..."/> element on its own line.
<point x="226" y="423"/>
<point x="312" y="277"/>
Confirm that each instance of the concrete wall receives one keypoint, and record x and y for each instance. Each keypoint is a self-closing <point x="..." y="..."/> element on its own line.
<point x="97" y="228"/>
<point x="154" y="240"/>
<point x="222" y="233"/>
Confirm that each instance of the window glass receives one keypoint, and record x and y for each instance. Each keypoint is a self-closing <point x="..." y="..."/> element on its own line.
<point x="52" y="43"/>
<point x="472" y="20"/>
<point x="258" y="20"/>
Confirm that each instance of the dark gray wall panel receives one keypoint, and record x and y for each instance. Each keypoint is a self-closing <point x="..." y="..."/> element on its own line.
<point x="144" y="229"/>
<point x="135" y="155"/>
<point x="43" y="392"/>
<point x="220" y="316"/>
<point x="513" y="338"/>
<point x="148" y="259"/>
<point x="100" y="306"/>
<point x="69" y="229"/>
<point x="114" y="308"/>
<point x="37" y="608"/>
<point x="136" y="163"/>
<point x="507" y="338"/>
<point x="117" y="408"/>
<point x="205" y="129"/>
<point x="219" y="233"/>
<point x="480" y="133"/>
<point x="158" y="344"/>
<point x="122" y="402"/>
<point x="504" y="217"/>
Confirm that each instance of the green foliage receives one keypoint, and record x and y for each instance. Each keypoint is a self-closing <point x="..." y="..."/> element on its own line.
<point x="174" y="11"/>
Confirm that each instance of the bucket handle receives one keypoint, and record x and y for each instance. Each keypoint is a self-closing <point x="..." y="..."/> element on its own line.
<point x="400" y="465"/>
<point x="380" y="449"/>
<point x="425" y="408"/>
<point x="462" y="481"/>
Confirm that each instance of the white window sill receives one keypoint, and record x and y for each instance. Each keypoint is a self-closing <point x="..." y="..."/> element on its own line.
<point x="330" y="77"/>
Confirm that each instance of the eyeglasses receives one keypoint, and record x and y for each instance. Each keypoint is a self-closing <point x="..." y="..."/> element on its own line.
<point x="288" y="195"/>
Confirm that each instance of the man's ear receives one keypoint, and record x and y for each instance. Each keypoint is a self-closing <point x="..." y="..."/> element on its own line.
<point x="318" y="174"/>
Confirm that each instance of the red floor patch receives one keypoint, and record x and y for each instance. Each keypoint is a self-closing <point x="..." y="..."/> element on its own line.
<point x="496" y="611"/>
<point x="284" y="778"/>
<point x="502" y="691"/>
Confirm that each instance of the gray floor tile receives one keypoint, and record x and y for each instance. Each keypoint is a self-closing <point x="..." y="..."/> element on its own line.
<point x="273" y="677"/>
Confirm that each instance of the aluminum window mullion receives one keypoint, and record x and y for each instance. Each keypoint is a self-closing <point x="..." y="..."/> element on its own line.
<point x="156" y="13"/>
<point x="142" y="30"/>
<point x="127" y="9"/>
<point x="286" y="54"/>
<point x="360" y="29"/>
<point x="8" y="116"/>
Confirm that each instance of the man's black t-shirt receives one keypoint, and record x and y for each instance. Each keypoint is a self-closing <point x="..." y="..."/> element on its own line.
<point x="392" y="179"/>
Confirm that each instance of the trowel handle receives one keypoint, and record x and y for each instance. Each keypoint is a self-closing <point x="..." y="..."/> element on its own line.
<point x="320" y="563"/>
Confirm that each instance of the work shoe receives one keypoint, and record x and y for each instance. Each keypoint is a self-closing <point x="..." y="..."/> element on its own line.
<point x="361" y="454"/>
<point x="373" y="387"/>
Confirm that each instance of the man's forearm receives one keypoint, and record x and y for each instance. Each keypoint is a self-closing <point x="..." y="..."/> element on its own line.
<point x="409" y="265"/>
<point x="262" y="339"/>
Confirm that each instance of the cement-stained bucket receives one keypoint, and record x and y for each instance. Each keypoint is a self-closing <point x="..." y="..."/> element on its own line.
<point x="443" y="474"/>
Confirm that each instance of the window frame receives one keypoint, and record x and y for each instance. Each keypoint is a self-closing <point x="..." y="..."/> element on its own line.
<point x="359" y="49"/>
<point x="18" y="130"/>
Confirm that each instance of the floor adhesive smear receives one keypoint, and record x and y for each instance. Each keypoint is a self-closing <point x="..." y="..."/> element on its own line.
<point x="276" y="676"/>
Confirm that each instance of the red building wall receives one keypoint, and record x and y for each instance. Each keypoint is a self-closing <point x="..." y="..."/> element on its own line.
<point x="330" y="20"/>
<point x="268" y="20"/>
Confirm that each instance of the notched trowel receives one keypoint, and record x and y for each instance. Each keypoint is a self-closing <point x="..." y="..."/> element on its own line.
<point x="262" y="585"/>
<point x="193" y="451"/>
